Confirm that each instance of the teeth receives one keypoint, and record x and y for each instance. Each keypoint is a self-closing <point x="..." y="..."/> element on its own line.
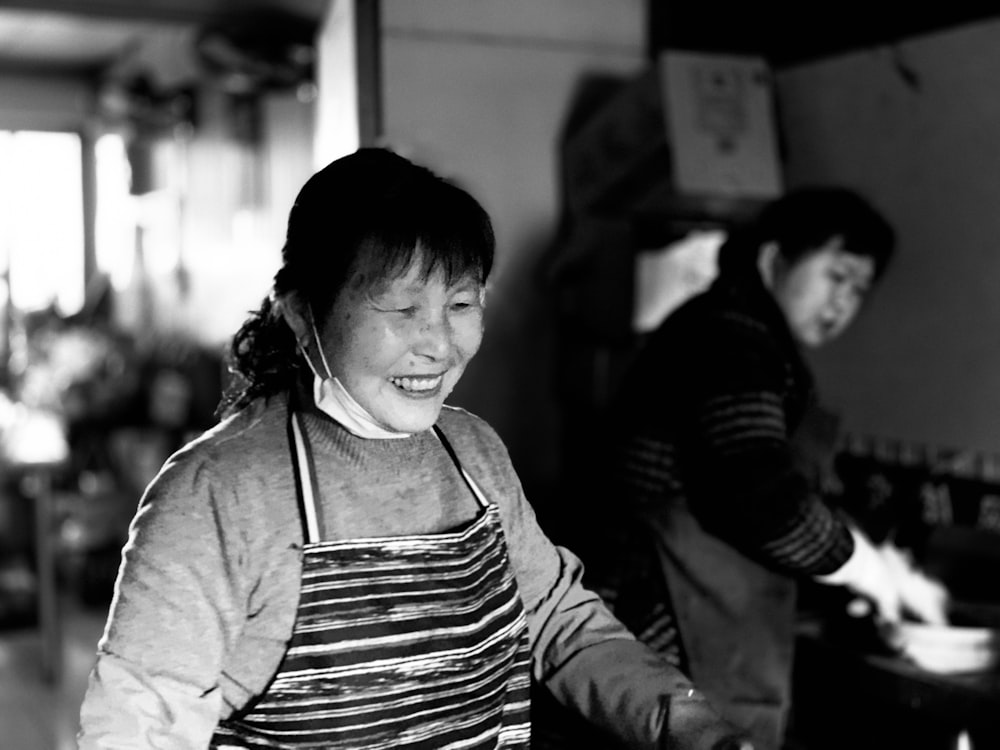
<point x="417" y="383"/>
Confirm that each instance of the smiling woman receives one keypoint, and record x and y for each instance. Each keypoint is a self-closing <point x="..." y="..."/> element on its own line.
<point x="400" y="345"/>
<point x="346" y="561"/>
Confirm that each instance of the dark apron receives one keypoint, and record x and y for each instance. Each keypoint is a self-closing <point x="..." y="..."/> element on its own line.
<point x="736" y="621"/>
<point x="411" y="641"/>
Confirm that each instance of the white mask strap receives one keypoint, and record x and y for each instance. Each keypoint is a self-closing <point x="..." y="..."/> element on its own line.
<point x="319" y="345"/>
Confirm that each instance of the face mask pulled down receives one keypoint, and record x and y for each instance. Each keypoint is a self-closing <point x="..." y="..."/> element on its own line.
<point x="332" y="399"/>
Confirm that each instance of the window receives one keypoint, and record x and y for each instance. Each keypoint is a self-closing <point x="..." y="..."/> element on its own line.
<point x="115" y="220"/>
<point x="41" y="220"/>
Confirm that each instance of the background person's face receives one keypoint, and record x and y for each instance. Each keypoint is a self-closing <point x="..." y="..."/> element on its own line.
<point x="822" y="292"/>
<point x="399" y="349"/>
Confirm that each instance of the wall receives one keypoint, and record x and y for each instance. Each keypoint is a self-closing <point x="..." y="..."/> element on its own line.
<point x="917" y="128"/>
<point x="479" y="90"/>
<point x="338" y="130"/>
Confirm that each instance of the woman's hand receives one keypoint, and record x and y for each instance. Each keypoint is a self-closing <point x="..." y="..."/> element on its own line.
<point x="866" y="573"/>
<point x="692" y="724"/>
<point x="920" y="596"/>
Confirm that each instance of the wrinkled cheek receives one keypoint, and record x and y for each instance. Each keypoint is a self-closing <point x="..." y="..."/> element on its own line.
<point x="844" y="319"/>
<point x="470" y="340"/>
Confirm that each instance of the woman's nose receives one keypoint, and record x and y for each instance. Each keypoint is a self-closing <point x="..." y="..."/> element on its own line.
<point x="434" y="336"/>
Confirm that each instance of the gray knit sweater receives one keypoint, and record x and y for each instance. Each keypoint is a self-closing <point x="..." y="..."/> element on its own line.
<point x="207" y="593"/>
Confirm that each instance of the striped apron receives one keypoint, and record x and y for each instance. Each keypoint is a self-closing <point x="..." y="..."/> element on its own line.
<point x="402" y="642"/>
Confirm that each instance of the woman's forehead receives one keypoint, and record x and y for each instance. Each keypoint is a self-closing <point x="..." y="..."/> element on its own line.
<point x="411" y="277"/>
<point x="836" y="251"/>
<point x="413" y="269"/>
<point x="853" y="262"/>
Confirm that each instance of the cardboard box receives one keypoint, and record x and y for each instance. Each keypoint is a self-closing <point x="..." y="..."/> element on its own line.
<point x="720" y="124"/>
<point x="692" y="134"/>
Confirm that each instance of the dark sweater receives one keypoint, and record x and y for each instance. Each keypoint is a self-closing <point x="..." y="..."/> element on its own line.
<point x="706" y="416"/>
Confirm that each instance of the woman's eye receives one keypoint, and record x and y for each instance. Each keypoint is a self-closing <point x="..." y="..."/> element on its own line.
<point x="465" y="302"/>
<point x="396" y="308"/>
<point x="838" y="277"/>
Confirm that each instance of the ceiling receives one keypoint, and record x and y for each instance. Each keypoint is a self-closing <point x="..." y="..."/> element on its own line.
<point x="82" y="37"/>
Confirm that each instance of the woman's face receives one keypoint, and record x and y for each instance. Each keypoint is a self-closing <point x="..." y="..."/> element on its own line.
<point x="822" y="291"/>
<point x="399" y="348"/>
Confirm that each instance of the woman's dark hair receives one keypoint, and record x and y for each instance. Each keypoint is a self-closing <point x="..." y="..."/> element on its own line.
<point x="363" y="217"/>
<point x="805" y="219"/>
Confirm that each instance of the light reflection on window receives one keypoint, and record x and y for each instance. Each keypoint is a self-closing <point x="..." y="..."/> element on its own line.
<point x="41" y="219"/>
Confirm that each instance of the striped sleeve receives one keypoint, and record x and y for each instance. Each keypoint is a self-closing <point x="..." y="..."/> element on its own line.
<point x="748" y="487"/>
<point x="732" y="423"/>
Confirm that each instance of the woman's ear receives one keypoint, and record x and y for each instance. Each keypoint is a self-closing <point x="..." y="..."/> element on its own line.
<point x="767" y="263"/>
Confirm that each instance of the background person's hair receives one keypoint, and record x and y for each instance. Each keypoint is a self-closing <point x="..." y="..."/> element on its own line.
<point x="363" y="217"/>
<point x="805" y="219"/>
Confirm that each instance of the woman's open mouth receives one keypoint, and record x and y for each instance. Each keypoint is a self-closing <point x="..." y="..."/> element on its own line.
<point x="418" y="386"/>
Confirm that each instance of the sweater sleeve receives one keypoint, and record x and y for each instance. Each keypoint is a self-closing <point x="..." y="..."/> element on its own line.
<point x="587" y="658"/>
<point x="744" y="482"/>
<point x="175" y="613"/>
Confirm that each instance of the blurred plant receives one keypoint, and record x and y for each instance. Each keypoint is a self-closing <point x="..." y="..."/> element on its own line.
<point x="80" y="372"/>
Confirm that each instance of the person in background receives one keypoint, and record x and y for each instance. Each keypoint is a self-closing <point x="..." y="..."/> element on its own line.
<point x="718" y="518"/>
<point x="345" y="561"/>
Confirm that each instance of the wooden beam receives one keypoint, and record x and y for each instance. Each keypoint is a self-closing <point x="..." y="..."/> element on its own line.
<point x="369" y="54"/>
<point x="789" y="34"/>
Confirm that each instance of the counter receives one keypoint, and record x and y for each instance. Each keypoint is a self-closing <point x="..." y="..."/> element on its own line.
<point x="849" y="695"/>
